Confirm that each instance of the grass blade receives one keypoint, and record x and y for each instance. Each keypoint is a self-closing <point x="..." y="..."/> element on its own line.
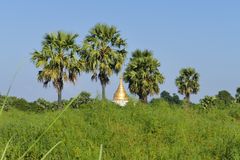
<point x="100" y="153"/>
<point x="51" y="150"/>
<point x="9" y="89"/>
<point x="50" y="125"/>
<point x="5" y="150"/>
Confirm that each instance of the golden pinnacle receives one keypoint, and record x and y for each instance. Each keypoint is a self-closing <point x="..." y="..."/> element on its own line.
<point x="120" y="94"/>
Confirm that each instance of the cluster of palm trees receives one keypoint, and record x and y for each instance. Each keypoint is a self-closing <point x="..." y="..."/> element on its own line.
<point x="102" y="53"/>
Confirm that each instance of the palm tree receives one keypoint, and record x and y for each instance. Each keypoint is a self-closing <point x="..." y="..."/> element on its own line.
<point x="58" y="60"/>
<point x="188" y="82"/>
<point x="143" y="75"/>
<point x="104" y="53"/>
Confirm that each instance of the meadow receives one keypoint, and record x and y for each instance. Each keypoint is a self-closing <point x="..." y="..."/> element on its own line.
<point x="138" y="132"/>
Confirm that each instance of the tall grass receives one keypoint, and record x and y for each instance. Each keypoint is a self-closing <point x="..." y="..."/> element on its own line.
<point x="45" y="156"/>
<point x="49" y="126"/>
<point x="3" y="106"/>
<point x="100" y="153"/>
<point x="37" y="140"/>
<point x="138" y="131"/>
<point x="5" y="149"/>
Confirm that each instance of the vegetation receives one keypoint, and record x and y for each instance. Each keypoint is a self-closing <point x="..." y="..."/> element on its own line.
<point x="208" y="102"/>
<point x="41" y="104"/>
<point x="57" y="60"/>
<point x="188" y="82"/>
<point x="143" y="75"/>
<point x="103" y="53"/>
<point x="224" y="98"/>
<point x="237" y="96"/>
<point x="172" y="99"/>
<point x="138" y="131"/>
<point x="88" y="128"/>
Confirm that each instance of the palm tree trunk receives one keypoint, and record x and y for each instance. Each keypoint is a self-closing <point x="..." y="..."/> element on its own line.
<point x="60" y="87"/>
<point x="143" y="99"/>
<point x="187" y="98"/>
<point x="59" y="96"/>
<point x="103" y="91"/>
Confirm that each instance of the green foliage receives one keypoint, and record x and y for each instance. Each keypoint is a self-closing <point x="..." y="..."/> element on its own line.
<point x="143" y="75"/>
<point x="14" y="102"/>
<point x="174" y="99"/>
<point x="42" y="104"/>
<point x="235" y="112"/>
<point x="57" y="60"/>
<point x="237" y="96"/>
<point x="224" y="98"/>
<point x="188" y="82"/>
<point x="103" y="53"/>
<point x="134" y="132"/>
<point x="83" y="98"/>
<point x="208" y="102"/>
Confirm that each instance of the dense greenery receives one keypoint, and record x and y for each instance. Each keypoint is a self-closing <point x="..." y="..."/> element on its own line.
<point x="208" y="101"/>
<point x="172" y="99"/>
<point x="142" y="74"/>
<point x="237" y="96"/>
<point x="224" y="98"/>
<point x="41" y="105"/>
<point x="138" y="131"/>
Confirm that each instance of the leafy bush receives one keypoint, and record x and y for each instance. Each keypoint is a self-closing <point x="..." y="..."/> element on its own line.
<point x="174" y="99"/>
<point x="208" y="102"/>
<point x="83" y="98"/>
<point x="237" y="96"/>
<point x="14" y="102"/>
<point x="224" y="98"/>
<point x="42" y="104"/>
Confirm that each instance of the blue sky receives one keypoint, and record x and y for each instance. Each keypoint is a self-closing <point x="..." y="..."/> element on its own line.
<point x="204" y="34"/>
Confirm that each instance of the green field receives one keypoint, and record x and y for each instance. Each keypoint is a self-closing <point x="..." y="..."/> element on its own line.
<point x="136" y="132"/>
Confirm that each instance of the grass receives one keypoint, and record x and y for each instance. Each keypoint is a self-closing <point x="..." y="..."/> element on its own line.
<point x="102" y="129"/>
<point x="48" y="128"/>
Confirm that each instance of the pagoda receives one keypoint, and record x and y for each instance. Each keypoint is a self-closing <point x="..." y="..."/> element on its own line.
<point x="120" y="96"/>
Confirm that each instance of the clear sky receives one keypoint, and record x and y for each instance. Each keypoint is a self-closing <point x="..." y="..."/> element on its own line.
<point x="204" y="34"/>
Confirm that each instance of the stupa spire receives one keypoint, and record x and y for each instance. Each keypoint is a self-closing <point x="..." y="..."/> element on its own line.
<point x="120" y="96"/>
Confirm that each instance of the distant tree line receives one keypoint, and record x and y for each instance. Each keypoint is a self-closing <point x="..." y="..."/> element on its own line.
<point x="223" y="98"/>
<point x="102" y="54"/>
<point x="43" y="105"/>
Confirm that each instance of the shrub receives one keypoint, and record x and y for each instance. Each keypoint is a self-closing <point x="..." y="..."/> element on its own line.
<point x="14" y="102"/>
<point x="237" y="96"/>
<point x="224" y="98"/>
<point x="208" y="102"/>
<point x="172" y="99"/>
<point x="83" y="98"/>
<point x="42" y="104"/>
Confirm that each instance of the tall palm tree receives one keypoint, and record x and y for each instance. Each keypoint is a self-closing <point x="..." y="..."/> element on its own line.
<point x="143" y="75"/>
<point x="104" y="53"/>
<point x="188" y="82"/>
<point x="58" y="60"/>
